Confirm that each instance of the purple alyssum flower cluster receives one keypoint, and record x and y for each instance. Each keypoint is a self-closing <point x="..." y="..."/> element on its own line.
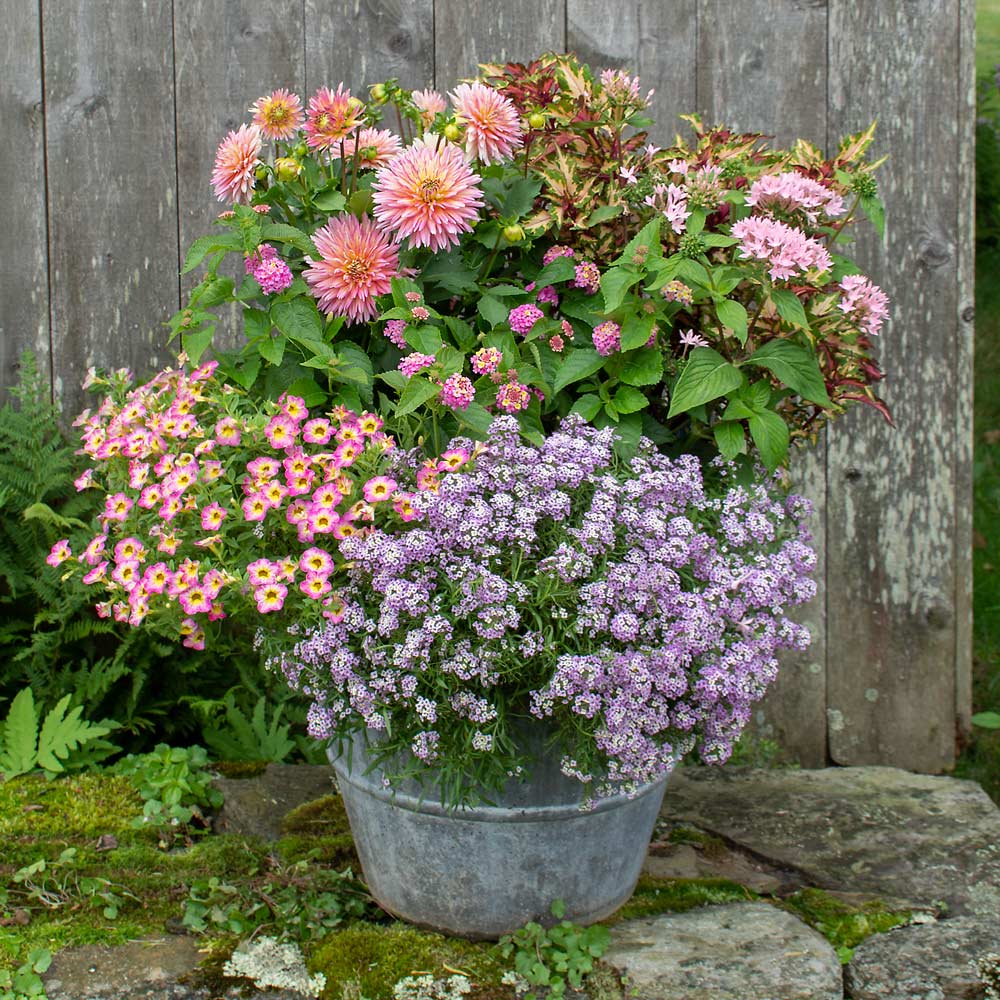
<point x="638" y="605"/>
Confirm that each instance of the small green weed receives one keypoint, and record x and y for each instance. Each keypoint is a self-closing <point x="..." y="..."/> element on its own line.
<point x="25" y="982"/>
<point x="555" y="957"/>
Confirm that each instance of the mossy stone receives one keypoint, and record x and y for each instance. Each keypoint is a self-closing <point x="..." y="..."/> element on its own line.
<point x="676" y="895"/>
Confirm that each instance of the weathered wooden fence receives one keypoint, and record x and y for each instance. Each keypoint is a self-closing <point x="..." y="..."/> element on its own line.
<point x="112" y="110"/>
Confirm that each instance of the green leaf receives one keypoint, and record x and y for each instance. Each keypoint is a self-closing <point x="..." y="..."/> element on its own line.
<point x="629" y="400"/>
<point x="695" y="222"/>
<point x="307" y="388"/>
<point x="692" y="272"/>
<point x="770" y="434"/>
<point x="20" y="734"/>
<point x="615" y="283"/>
<point x="636" y="331"/>
<point x="588" y="406"/>
<point x="425" y="339"/>
<point x="298" y="317"/>
<point x="62" y="734"/>
<point x="463" y="334"/>
<point x="734" y="316"/>
<point x="705" y="377"/>
<point x="578" y="365"/>
<point x="475" y="417"/>
<point x="645" y="367"/>
<point x="520" y="197"/>
<point x="281" y="233"/>
<point x="602" y="214"/>
<point x="196" y="343"/>
<point x="330" y="201"/>
<point x="492" y="310"/>
<point x="795" y="366"/>
<point x="205" y="245"/>
<point x="790" y="307"/>
<point x="730" y="437"/>
<point x="417" y="392"/>
<point x="559" y="270"/>
<point x="648" y="237"/>
<point x="718" y="240"/>
<point x="395" y="378"/>
<point x="987" y="720"/>
<point x="256" y="323"/>
<point x="272" y="349"/>
<point x="875" y="213"/>
<point x="558" y="909"/>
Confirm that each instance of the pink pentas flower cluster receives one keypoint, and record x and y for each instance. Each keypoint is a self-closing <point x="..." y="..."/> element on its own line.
<point x="791" y="191"/>
<point x="214" y="503"/>
<point x="864" y="302"/>
<point x="786" y="248"/>
<point x="672" y="202"/>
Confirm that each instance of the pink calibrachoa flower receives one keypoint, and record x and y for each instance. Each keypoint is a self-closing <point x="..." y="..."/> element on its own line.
<point x="377" y="147"/>
<point x="270" y="597"/>
<point x="84" y="480"/>
<point x="281" y="431"/>
<point x="129" y="548"/>
<point x="345" y="454"/>
<point x="379" y="488"/>
<point x="607" y="337"/>
<point x="415" y="362"/>
<point x="264" y="468"/>
<point x="453" y="459"/>
<point x="867" y="303"/>
<point x="429" y="103"/>
<point x="255" y="507"/>
<point x="157" y="578"/>
<point x="370" y="423"/>
<point x="116" y="507"/>
<point x="262" y="571"/>
<point x="194" y="634"/>
<point x="457" y="392"/>
<point x="428" y="194"/>
<point x="227" y="431"/>
<point x="587" y="277"/>
<point x="316" y="560"/>
<point x="236" y="165"/>
<point x="315" y="586"/>
<point x="93" y="551"/>
<point x="323" y="520"/>
<point x="212" y="515"/>
<point x="97" y="574"/>
<point x="787" y="249"/>
<point x="486" y="360"/>
<point x="393" y="330"/>
<point x="332" y="116"/>
<point x="522" y="318"/>
<point x="294" y="407"/>
<point x="357" y="263"/>
<point x="317" y="431"/>
<point x="194" y="601"/>
<point x="59" y="553"/>
<point x="492" y="125"/>
<point x="512" y="396"/>
<point x="278" y="115"/>
<point x="403" y="506"/>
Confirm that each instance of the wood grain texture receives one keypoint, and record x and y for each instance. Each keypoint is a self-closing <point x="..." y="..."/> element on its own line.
<point x="227" y="54"/>
<point x="361" y="42"/>
<point x="468" y="32"/>
<point x="762" y="66"/>
<point x="24" y="287"/>
<point x="892" y="522"/>
<point x="112" y="186"/>
<point x="966" y="340"/>
<point x="656" y="40"/>
<point x="793" y="713"/>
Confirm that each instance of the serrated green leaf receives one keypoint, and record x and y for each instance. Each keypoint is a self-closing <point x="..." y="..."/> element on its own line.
<point x="520" y="196"/>
<point x="282" y="233"/>
<point x="272" y="349"/>
<point x="795" y="366"/>
<point x="636" y="331"/>
<point x="205" y="245"/>
<point x="559" y="270"/>
<point x="463" y="334"/>
<point x="330" y="201"/>
<point x="615" y="283"/>
<point x="417" y="392"/>
<point x="693" y="272"/>
<point x="394" y="378"/>
<point x="629" y="400"/>
<point x="644" y="367"/>
<point x="734" y="316"/>
<point x="492" y="310"/>
<point x="790" y="307"/>
<point x="695" y="222"/>
<point x="426" y="339"/>
<point x="875" y="212"/>
<point x="705" y="377"/>
<point x="578" y="365"/>
<point x="298" y="317"/>
<point x="196" y="343"/>
<point x="648" y="237"/>
<point x="730" y="438"/>
<point x="770" y="435"/>
<point x="20" y="736"/>
<point x="475" y="417"/>
<point x="588" y="406"/>
<point x="602" y="214"/>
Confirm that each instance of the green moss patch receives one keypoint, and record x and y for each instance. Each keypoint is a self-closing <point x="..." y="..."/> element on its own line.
<point x="367" y="960"/>
<point x="322" y="817"/>
<point x="676" y="895"/>
<point x="240" y="768"/>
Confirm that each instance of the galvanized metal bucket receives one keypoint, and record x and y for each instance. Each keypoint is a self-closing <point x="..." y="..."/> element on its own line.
<point x="482" y="872"/>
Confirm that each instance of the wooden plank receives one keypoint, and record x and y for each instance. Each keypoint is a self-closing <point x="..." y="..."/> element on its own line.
<point x="263" y="50"/>
<point x="24" y="285"/>
<point x="361" y="42"/>
<point x="657" y="41"/>
<point x="469" y="32"/>
<point x="112" y="186"/>
<point x="762" y="66"/>
<point x="965" y="342"/>
<point x="740" y="48"/>
<point x="892" y="512"/>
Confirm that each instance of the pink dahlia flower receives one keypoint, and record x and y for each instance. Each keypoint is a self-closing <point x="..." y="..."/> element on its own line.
<point x="428" y="103"/>
<point x="428" y="194"/>
<point x="357" y="263"/>
<point x="492" y="126"/>
<point x="278" y="115"/>
<point x="378" y="146"/>
<point x="236" y="165"/>
<point x="332" y="117"/>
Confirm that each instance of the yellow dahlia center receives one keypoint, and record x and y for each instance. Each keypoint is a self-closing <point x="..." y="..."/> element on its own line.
<point x="357" y="267"/>
<point x="276" y="114"/>
<point x="428" y="190"/>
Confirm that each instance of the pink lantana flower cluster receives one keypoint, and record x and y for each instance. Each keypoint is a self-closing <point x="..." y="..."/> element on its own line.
<point x="218" y="505"/>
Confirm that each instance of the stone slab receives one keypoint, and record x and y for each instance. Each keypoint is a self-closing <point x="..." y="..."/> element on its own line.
<point x="741" y="951"/>
<point x="255" y="807"/>
<point x="935" y="961"/>
<point x="860" y="829"/>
